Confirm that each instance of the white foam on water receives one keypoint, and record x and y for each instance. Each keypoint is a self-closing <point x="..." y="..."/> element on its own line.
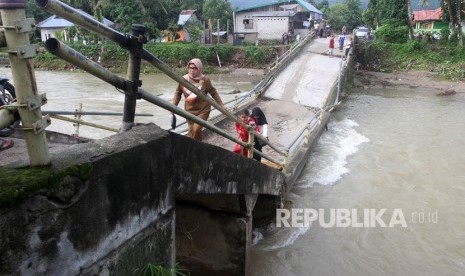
<point x="257" y="236"/>
<point x="274" y="238"/>
<point x="327" y="165"/>
<point x="328" y="162"/>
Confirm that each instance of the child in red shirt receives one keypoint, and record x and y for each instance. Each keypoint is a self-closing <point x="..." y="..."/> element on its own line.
<point x="244" y="116"/>
<point x="331" y="45"/>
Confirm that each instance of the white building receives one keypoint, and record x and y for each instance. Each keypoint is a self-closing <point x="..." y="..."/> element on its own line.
<point x="269" y="19"/>
<point x="54" y="25"/>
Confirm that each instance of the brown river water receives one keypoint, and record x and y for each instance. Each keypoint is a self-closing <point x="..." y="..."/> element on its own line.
<point x="398" y="150"/>
<point x="66" y="90"/>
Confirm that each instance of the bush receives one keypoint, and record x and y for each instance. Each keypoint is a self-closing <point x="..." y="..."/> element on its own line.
<point x="445" y="32"/>
<point x="412" y="46"/>
<point x="173" y="54"/>
<point x="392" y="34"/>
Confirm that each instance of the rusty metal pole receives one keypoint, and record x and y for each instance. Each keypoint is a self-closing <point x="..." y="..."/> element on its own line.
<point x="135" y="57"/>
<point x="17" y="29"/>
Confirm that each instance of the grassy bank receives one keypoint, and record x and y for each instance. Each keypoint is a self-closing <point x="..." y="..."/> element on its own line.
<point x="174" y="54"/>
<point x="447" y="60"/>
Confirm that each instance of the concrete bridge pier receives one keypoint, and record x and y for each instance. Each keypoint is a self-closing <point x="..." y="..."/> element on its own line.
<point x="213" y="240"/>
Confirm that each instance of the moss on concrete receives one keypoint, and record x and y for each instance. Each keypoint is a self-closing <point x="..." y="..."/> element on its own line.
<point x="22" y="183"/>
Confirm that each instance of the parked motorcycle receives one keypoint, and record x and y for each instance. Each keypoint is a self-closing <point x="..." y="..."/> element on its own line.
<point x="7" y="92"/>
<point x="7" y="97"/>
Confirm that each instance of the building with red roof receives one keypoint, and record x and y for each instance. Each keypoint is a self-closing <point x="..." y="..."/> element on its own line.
<point x="429" y="20"/>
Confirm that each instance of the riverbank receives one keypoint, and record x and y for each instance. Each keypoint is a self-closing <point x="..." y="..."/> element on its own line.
<point x="216" y="58"/>
<point x="408" y="80"/>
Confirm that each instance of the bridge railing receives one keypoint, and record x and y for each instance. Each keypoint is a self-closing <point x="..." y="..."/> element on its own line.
<point x="131" y="88"/>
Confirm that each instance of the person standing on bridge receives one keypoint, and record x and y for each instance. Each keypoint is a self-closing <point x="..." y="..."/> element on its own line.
<point x="244" y="116"/>
<point x="331" y="45"/>
<point x="341" y="39"/>
<point x="262" y="124"/>
<point x="193" y="104"/>
<point x="348" y="47"/>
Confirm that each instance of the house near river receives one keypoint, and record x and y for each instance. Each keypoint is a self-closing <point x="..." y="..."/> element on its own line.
<point x="55" y="26"/>
<point x="429" y="21"/>
<point x="256" y="20"/>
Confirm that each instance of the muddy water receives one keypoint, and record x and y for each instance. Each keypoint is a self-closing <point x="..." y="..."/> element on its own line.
<point x="385" y="149"/>
<point x="66" y="90"/>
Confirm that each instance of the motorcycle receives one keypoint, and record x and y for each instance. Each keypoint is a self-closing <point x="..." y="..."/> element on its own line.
<point x="7" y="97"/>
<point x="7" y="92"/>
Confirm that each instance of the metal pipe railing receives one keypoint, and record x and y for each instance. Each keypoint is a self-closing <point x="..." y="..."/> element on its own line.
<point x="75" y="16"/>
<point x="133" y="74"/>
<point x="72" y="56"/>
<point x="67" y="53"/>
<point x="78" y="17"/>
<point x="84" y="20"/>
<point x="83" y="113"/>
<point x="81" y="122"/>
<point x="20" y="53"/>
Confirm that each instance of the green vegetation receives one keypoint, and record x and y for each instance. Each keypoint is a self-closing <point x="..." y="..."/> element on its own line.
<point x="446" y="59"/>
<point x="159" y="270"/>
<point x="347" y="13"/>
<point x="18" y="184"/>
<point x="156" y="15"/>
<point x="174" y="54"/>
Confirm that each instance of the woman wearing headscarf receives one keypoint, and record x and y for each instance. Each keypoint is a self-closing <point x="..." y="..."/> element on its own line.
<point x="194" y="104"/>
<point x="262" y="124"/>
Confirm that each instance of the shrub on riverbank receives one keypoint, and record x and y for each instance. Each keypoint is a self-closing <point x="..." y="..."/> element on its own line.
<point x="447" y="60"/>
<point x="174" y="54"/>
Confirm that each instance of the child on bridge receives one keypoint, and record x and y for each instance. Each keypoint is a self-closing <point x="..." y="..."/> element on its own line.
<point x="262" y="124"/>
<point x="244" y="116"/>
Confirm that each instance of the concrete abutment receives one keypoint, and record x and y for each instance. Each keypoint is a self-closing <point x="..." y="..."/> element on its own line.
<point x="123" y="215"/>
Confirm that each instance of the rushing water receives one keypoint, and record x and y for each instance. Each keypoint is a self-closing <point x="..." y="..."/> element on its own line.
<point x="66" y="90"/>
<point x="385" y="149"/>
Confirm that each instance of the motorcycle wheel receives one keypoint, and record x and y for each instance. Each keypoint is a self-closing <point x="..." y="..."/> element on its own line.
<point x="8" y="96"/>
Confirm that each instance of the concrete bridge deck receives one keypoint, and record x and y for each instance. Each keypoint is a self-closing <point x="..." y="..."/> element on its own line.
<point x="305" y="86"/>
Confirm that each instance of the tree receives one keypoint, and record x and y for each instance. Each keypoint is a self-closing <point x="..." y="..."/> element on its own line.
<point x="323" y="6"/>
<point x="353" y="18"/>
<point x="337" y="17"/>
<point x="446" y="6"/>
<point x="409" y="20"/>
<point x="371" y="14"/>
<point x="393" y="11"/>
<point x="218" y="9"/>
<point x="459" y="10"/>
<point x="346" y="14"/>
<point x="33" y="11"/>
